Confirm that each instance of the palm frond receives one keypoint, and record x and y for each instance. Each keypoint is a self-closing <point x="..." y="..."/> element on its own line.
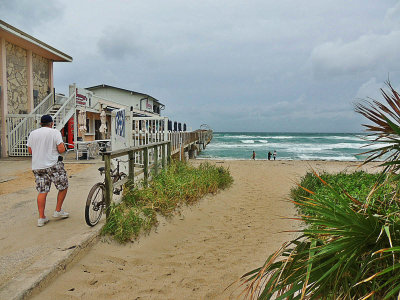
<point x="385" y="127"/>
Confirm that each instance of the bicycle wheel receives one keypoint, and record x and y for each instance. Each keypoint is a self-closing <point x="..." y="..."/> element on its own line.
<point x="95" y="204"/>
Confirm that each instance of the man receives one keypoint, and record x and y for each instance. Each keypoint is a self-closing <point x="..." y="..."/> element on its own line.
<point x="45" y="144"/>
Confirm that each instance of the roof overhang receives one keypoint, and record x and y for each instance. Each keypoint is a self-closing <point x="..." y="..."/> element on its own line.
<point x="26" y="41"/>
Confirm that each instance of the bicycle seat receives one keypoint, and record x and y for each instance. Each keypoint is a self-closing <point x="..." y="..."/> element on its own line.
<point x="101" y="169"/>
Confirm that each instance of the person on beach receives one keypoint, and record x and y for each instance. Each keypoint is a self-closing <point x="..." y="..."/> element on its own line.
<point x="269" y="155"/>
<point x="274" y="155"/>
<point x="45" y="144"/>
<point x="254" y="155"/>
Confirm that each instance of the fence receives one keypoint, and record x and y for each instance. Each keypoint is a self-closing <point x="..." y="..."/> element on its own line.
<point x="143" y="151"/>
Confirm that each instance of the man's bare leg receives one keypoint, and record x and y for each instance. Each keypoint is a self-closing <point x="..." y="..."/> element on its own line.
<point x="60" y="199"/>
<point x="41" y="203"/>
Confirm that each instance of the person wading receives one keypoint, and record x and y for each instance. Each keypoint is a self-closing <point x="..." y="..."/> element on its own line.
<point x="45" y="144"/>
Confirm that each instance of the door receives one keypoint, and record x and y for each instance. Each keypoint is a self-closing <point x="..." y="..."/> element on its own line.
<point x="97" y="134"/>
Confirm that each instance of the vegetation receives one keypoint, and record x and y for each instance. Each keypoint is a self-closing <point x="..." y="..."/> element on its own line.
<point x="357" y="185"/>
<point x="349" y="247"/>
<point x="178" y="184"/>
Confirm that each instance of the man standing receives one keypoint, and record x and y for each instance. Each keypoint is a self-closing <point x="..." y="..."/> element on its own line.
<point x="45" y="144"/>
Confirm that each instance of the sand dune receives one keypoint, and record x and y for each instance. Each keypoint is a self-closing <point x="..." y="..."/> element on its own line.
<point x="197" y="254"/>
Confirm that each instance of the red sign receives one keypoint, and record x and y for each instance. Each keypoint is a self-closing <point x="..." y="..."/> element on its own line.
<point x="80" y="99"/>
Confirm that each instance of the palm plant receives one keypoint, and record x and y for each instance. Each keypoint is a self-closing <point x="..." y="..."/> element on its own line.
<point x="346" y="252"/>
<point x="384" y="129"/>
<point x="349" y="248"/>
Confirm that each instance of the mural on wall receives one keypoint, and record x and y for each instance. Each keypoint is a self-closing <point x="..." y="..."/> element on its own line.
<point x="40" y="68"/>
<point x="17" y="83"/>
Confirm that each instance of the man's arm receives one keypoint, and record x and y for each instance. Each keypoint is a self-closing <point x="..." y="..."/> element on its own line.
<point x="61" y="148"/>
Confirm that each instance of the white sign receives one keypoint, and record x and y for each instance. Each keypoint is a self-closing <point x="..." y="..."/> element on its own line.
<point x="121" y="129"/>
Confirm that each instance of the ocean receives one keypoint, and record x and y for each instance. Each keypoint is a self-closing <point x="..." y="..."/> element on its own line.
<point x="289" y="146"/>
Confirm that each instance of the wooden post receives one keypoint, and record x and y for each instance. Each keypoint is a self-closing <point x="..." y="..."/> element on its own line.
<point x="169" y="153"/>
<point x="108" y="183"/>
<point x="145" y="166"/>
<point x="163" y="155"/>
<point x="131" y="166"/>
<point x="155" y="160"/>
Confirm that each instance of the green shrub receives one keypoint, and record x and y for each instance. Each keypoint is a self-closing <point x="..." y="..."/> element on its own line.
<point x="357" y="184"/>
<point x="349" y="249"/>
<point x="178" y="184"/>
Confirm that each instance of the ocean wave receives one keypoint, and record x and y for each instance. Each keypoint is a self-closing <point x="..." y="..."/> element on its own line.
<point x="216" y="136"/>
<point x="297" y="147"/>
<point x="320" y="157"/>
<point x="289" y="146"/>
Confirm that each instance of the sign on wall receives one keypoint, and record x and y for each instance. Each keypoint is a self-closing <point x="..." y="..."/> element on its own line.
<point x="120" y="123"/>
<point x="83" y="97"/>
<point x="121" y="129"/>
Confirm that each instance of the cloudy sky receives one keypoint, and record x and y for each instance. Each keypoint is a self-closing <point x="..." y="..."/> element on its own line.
<point x="255" y="65"/>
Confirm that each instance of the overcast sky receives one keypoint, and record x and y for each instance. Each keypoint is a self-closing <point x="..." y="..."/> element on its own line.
<point x="289" y="66"/>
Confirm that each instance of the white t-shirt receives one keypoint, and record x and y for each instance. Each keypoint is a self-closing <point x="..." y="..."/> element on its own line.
<point x="43" y="142"/>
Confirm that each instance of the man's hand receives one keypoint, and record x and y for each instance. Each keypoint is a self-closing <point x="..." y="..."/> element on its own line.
<point x="61" y="148"/>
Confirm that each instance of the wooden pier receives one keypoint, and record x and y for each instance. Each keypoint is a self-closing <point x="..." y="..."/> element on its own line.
<point x="186" y="145"/>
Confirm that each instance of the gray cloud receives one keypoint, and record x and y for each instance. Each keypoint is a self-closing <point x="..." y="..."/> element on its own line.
<point x="370" y="53"/>
<point x="120" y="44"/>
<point x="256" y="65"/>
<point x="29" y="15"/>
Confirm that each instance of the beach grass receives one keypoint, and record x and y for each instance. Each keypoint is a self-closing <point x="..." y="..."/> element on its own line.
<point x="177" y="185"/>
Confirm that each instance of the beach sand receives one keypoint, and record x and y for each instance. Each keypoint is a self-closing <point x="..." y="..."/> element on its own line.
<point x="200" y="252"/>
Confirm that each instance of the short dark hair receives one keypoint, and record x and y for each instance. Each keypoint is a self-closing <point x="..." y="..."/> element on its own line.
<point x="46" y="120"/>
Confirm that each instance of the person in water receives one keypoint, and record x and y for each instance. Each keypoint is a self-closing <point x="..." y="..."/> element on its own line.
<point x="254" y="155"/>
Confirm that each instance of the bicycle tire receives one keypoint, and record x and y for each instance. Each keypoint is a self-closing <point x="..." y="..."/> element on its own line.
<point x="95" y="204"/>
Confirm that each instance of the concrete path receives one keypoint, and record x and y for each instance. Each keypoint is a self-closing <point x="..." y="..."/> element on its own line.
<point x="30" y="255"/>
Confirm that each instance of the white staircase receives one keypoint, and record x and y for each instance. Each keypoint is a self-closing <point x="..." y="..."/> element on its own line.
<point x="18" y="133"/>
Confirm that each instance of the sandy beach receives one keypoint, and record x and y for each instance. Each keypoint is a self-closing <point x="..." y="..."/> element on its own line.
<point x="200" y="252"/>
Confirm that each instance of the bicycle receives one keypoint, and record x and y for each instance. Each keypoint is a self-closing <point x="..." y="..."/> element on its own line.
<point x="95" y="202"/>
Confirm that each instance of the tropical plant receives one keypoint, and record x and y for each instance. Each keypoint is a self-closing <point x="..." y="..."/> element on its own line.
<point x="384" y="129"/>
<point x="345" y="252"/>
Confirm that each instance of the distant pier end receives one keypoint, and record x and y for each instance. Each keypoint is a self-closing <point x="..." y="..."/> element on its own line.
<point x="187" y="145"/>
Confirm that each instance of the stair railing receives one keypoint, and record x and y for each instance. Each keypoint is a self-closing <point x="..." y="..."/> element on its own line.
<point x="43" y="107"/>
<point x="17" y="134"/>
<point x="65" y="112"/>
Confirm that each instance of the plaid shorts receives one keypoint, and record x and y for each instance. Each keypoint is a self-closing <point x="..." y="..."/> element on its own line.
<point x="55" y="174"/>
